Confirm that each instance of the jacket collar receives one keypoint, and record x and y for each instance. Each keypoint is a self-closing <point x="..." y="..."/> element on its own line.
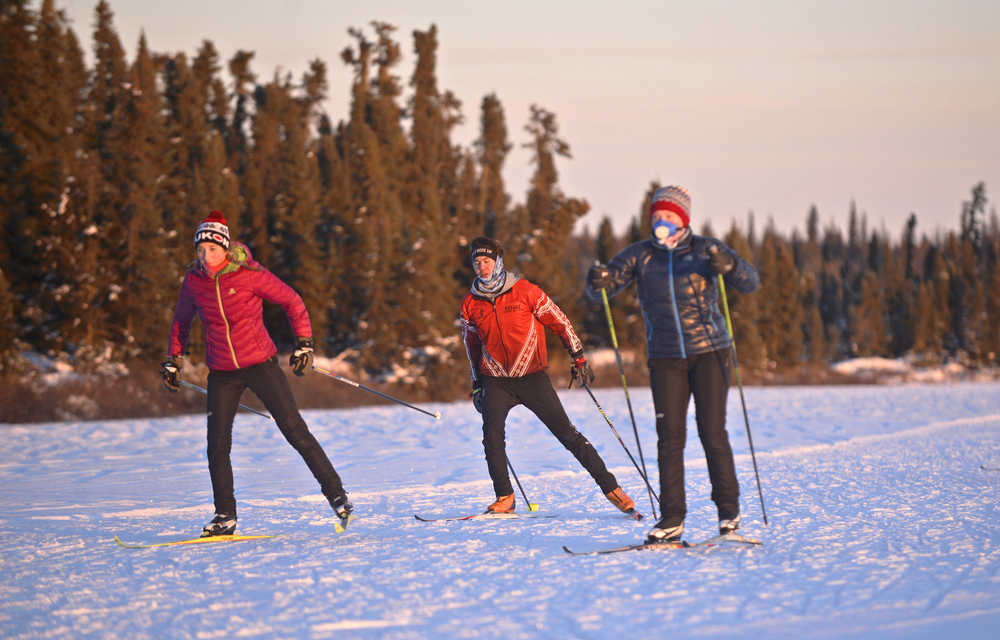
<point x="239" y="256"/>
<point x="508" y="284"/>
<point x="683" y="244"/>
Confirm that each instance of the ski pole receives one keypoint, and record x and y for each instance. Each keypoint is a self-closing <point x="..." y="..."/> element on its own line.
<point x="532" y="506"/>
<point x="628" y="401"/>
<point x="620" y="441"/>
<point x="436" y="415"/>
<point x="263" y="414"/>
<point x="743" y="402"/>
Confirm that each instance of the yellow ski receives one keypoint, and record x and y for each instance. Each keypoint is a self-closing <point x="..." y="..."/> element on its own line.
<point x="229" y="538"/>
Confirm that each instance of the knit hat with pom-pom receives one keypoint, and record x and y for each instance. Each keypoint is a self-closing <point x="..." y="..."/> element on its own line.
<point x="213" y="229"/>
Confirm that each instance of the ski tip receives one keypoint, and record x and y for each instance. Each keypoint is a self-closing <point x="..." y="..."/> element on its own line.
<point x="532" y="506"/>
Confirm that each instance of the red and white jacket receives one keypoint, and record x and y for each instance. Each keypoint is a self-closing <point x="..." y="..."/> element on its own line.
<point x="230" y="307"/>
<point x="504" y="334"/>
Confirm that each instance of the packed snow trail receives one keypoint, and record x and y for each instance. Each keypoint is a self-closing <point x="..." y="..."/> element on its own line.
<point x="883" y="509"/>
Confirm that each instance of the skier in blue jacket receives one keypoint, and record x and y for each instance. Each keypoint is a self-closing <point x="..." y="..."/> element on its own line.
<point x="688" y="345"/>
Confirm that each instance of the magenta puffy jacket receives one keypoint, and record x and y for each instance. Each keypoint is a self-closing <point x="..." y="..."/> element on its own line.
<point x="230" y="308"/>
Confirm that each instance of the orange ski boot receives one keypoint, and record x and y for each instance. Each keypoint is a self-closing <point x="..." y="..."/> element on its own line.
<point x="504" y="504"/>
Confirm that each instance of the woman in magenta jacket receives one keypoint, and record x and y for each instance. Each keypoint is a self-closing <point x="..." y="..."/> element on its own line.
<point x="226" y="288"/>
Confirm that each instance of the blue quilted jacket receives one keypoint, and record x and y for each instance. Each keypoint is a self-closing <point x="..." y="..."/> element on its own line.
<point x="679" y="294"/>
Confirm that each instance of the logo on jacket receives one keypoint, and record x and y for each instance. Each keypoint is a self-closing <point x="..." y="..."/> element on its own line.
<point x="511" y="307"/>
<point x="231" y="291"/>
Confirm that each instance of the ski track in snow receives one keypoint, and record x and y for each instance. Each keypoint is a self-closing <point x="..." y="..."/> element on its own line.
<point x="882" y="505"/>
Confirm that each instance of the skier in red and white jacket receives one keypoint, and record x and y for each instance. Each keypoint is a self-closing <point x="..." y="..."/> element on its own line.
<point x="226" y="288"/>
<point x="503" y="319"/>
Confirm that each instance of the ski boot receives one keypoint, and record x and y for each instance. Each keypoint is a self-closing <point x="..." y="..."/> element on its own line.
<point x="503" y="504"/>
<point x="729" y="525"/>
<point x="625" y="504"/>
<point x="223" y="524"/>
<point x="342" y="508"/>
<point x="664" y="533"/>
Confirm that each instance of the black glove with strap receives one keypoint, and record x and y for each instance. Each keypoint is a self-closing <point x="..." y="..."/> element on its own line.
<point x="478" y="396"/>
<point x="302" y="358"/>
<point x="579" y="371"/>
<point x="170" y="369"/>
<point x="722" y="260"/>
<point x="598" y="277"/>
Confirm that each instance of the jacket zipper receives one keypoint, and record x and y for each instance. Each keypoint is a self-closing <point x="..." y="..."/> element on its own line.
<point x="496" y="314"/>
<point x="222" y="312"/>
<point x="673" y="302"/>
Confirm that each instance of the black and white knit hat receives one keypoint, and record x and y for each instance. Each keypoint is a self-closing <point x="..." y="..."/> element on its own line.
<point x="213" y="229"/>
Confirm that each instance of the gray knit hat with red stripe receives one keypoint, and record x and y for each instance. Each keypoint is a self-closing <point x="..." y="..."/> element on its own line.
<point x="673" y="198"/>
<point x="213" y="229"/>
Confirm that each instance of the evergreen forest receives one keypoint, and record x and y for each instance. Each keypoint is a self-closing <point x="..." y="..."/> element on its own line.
<point x="106" y="169"/>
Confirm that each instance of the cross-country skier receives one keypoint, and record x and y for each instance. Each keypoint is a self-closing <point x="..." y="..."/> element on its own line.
<point x="225" y="287"/>
<point x="503" y="321"/>
<point x="688" y="346"/>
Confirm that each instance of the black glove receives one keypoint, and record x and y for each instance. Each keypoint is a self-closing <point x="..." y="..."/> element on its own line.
<point x="722" y="261"/>
<point x="170" y="369"/>
<point x="478" y="396"/>
<point x="579" y="371"/>
<point x="599" y="277"/>
<point x="302" y="357"/>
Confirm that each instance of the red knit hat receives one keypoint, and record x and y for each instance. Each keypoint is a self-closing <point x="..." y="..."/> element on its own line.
<point x="673" y="198"/>
<point x="213" y="229"/>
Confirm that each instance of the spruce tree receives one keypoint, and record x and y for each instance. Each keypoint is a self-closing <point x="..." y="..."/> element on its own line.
<point x="909" y="246"/>
<point x="144" y="269"/>
<point x="745" y="310"/>
<point x="594" y="328"/>
<point x="900" y="300"/>
<point x="780" y="305"/>
<point x="550" y="216"/>
<point x="374" y="212"/>
<point x="492" y="148"/>
<point x="216" y="186"/>
<point x="429" y="236"/>
<point x="236" y="134"/>
<point x="991" y="347"/>
<point x="298" y="215"/>
<point x="817" y="349"/>
<point x="9" y="331"/>
<point x="868" y="325"/>
<point x="334" y="240"/>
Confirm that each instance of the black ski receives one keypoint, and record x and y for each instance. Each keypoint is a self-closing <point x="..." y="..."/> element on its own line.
<point x="487" y="516"/>
<point x="711" y="542"/>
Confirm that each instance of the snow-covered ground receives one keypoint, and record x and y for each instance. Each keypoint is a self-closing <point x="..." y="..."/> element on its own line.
<point x="882" y="503"/>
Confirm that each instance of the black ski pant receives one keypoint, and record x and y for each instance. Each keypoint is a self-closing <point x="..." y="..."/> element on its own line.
<point x="673" y="382"/>
<point x="268" y="381"/>
<point x="534" y="391"/>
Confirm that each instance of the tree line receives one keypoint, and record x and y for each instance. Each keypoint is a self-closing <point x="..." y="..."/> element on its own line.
<point x="828" y="295"/>
<point x="105" y="170"/>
